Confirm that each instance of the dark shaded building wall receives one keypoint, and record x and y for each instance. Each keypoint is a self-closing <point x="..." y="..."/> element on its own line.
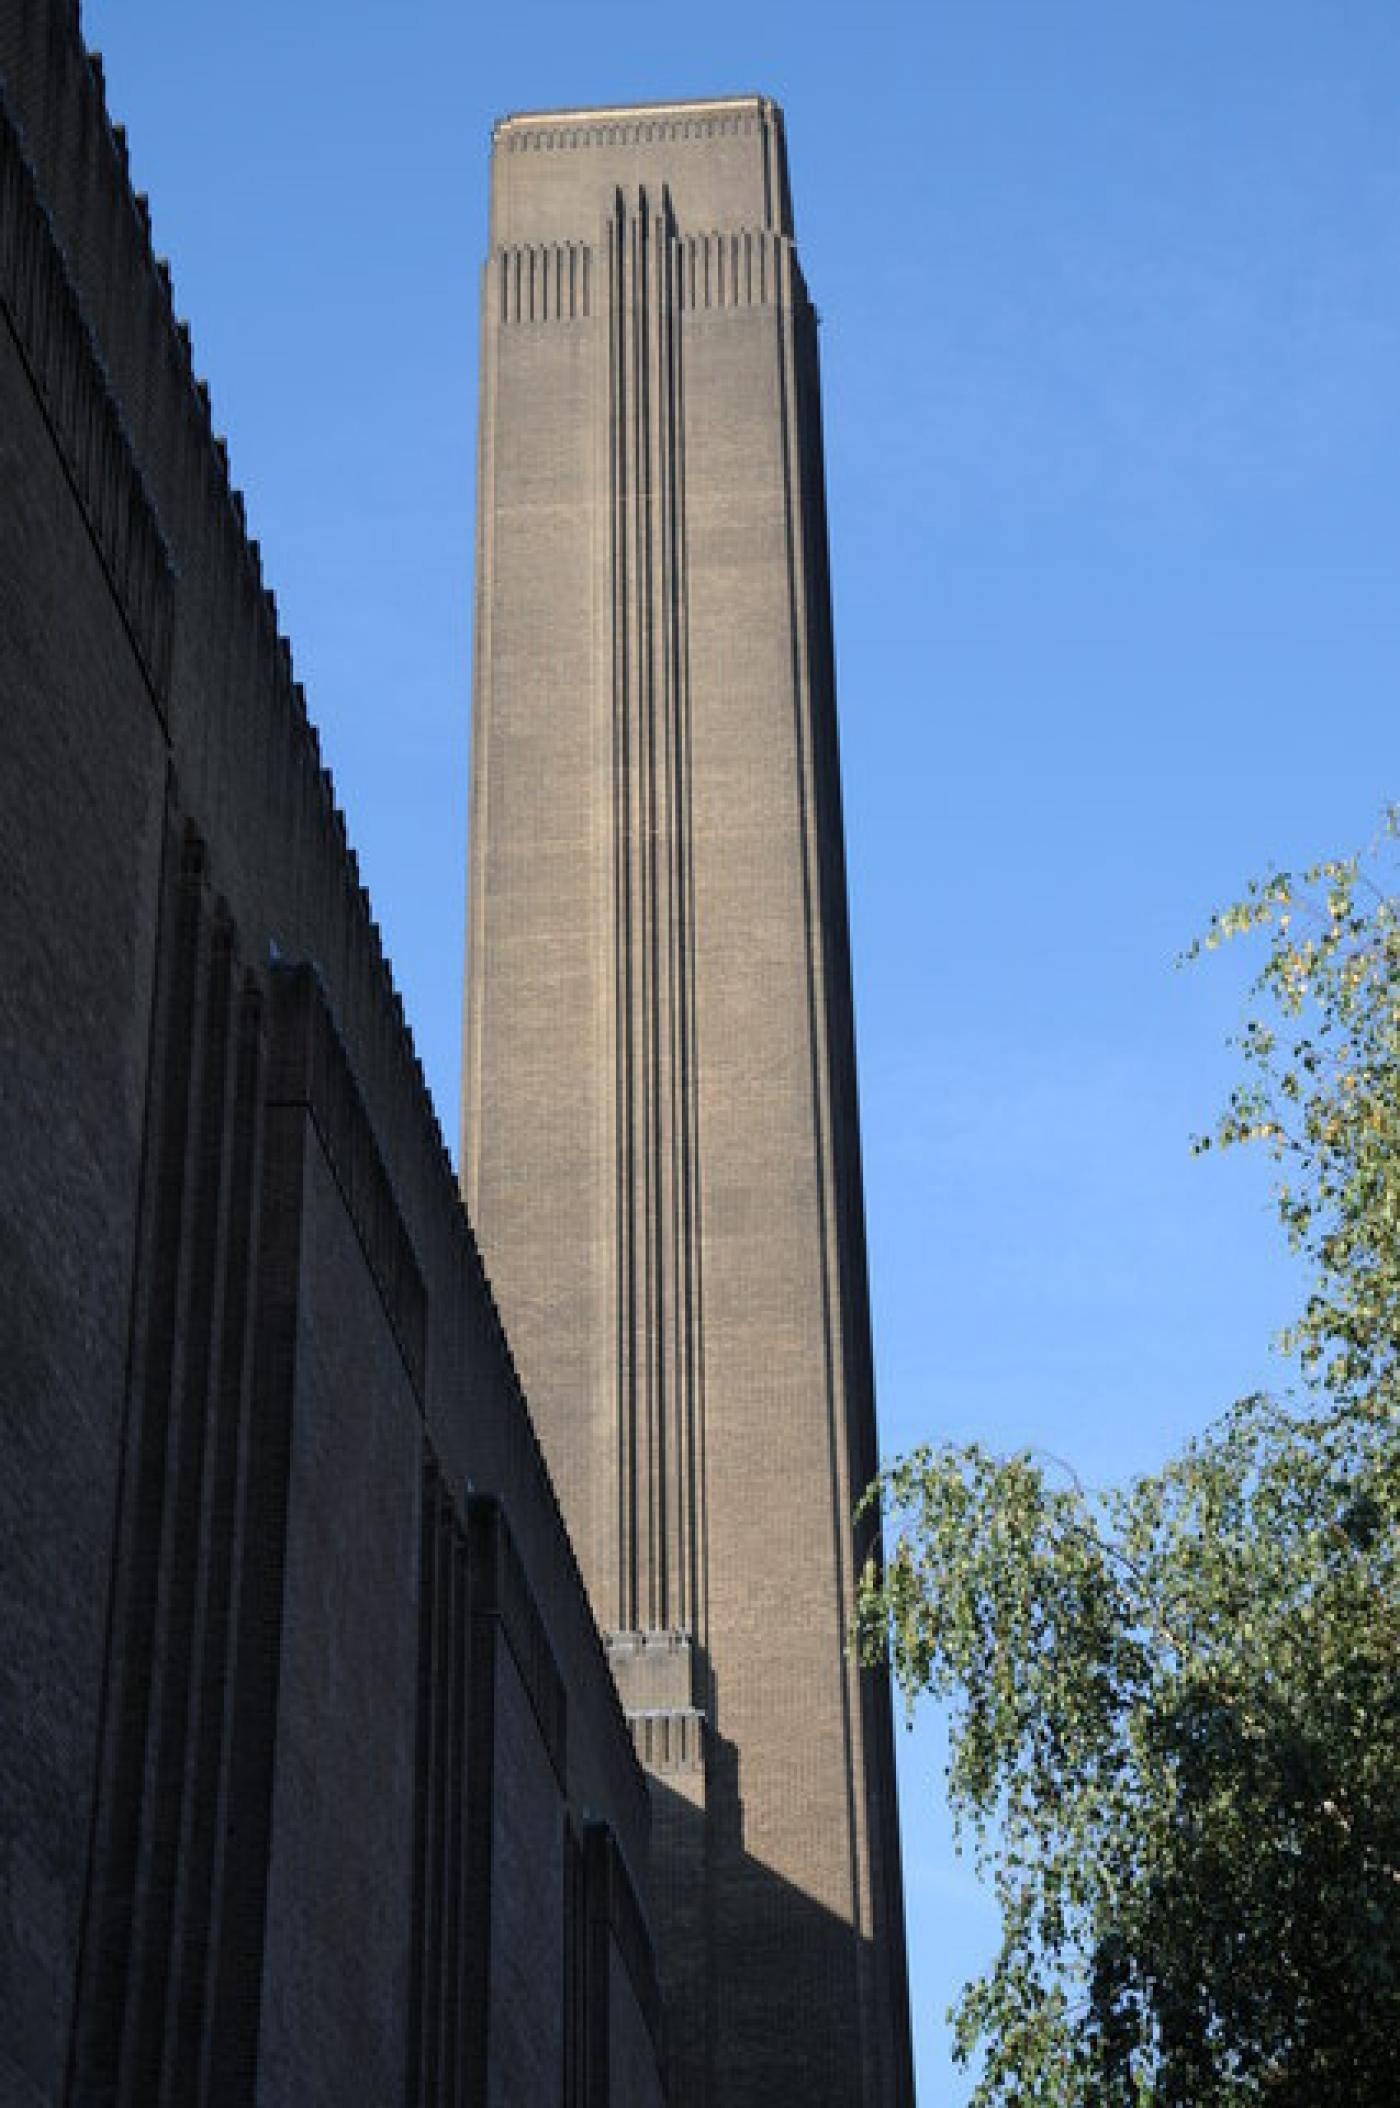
<point x="83" y="796"/>
<point x="315" y="1783"/>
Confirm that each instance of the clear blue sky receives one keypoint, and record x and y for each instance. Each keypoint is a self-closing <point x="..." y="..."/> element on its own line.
<point x="1111" y="325"/>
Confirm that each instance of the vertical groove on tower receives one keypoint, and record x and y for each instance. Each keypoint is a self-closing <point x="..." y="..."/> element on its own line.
<point x="660" y="1560"/>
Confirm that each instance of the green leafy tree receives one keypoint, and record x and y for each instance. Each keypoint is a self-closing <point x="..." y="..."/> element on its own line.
<point x="1175" y="1706"/>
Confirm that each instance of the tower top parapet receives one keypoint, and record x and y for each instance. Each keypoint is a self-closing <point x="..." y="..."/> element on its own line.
<point x="723" y="160"/>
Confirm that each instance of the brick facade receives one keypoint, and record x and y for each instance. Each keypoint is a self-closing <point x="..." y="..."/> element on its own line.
<point x="315" y="1779"/>
<point x="660" y="1146"/>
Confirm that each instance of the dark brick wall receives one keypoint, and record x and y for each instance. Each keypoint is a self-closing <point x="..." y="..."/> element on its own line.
<point x="632" y="2076"/>
<point x="260" y="1836"/>
<point x="81" y="797"/>
<point x="623" y="2024"/>
<point x="244" y="751"/>
<point x="527" y="1905"/>
<point x="334" y="2013"/>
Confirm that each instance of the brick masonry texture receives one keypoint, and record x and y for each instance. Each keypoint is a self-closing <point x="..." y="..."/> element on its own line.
<point x="660" y="1147"/>
<point x="316" y="1780"/>
<point x="300" y="1743"/>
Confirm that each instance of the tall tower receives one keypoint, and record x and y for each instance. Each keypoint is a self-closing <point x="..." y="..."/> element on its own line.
<point x="660" y="1141"/>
